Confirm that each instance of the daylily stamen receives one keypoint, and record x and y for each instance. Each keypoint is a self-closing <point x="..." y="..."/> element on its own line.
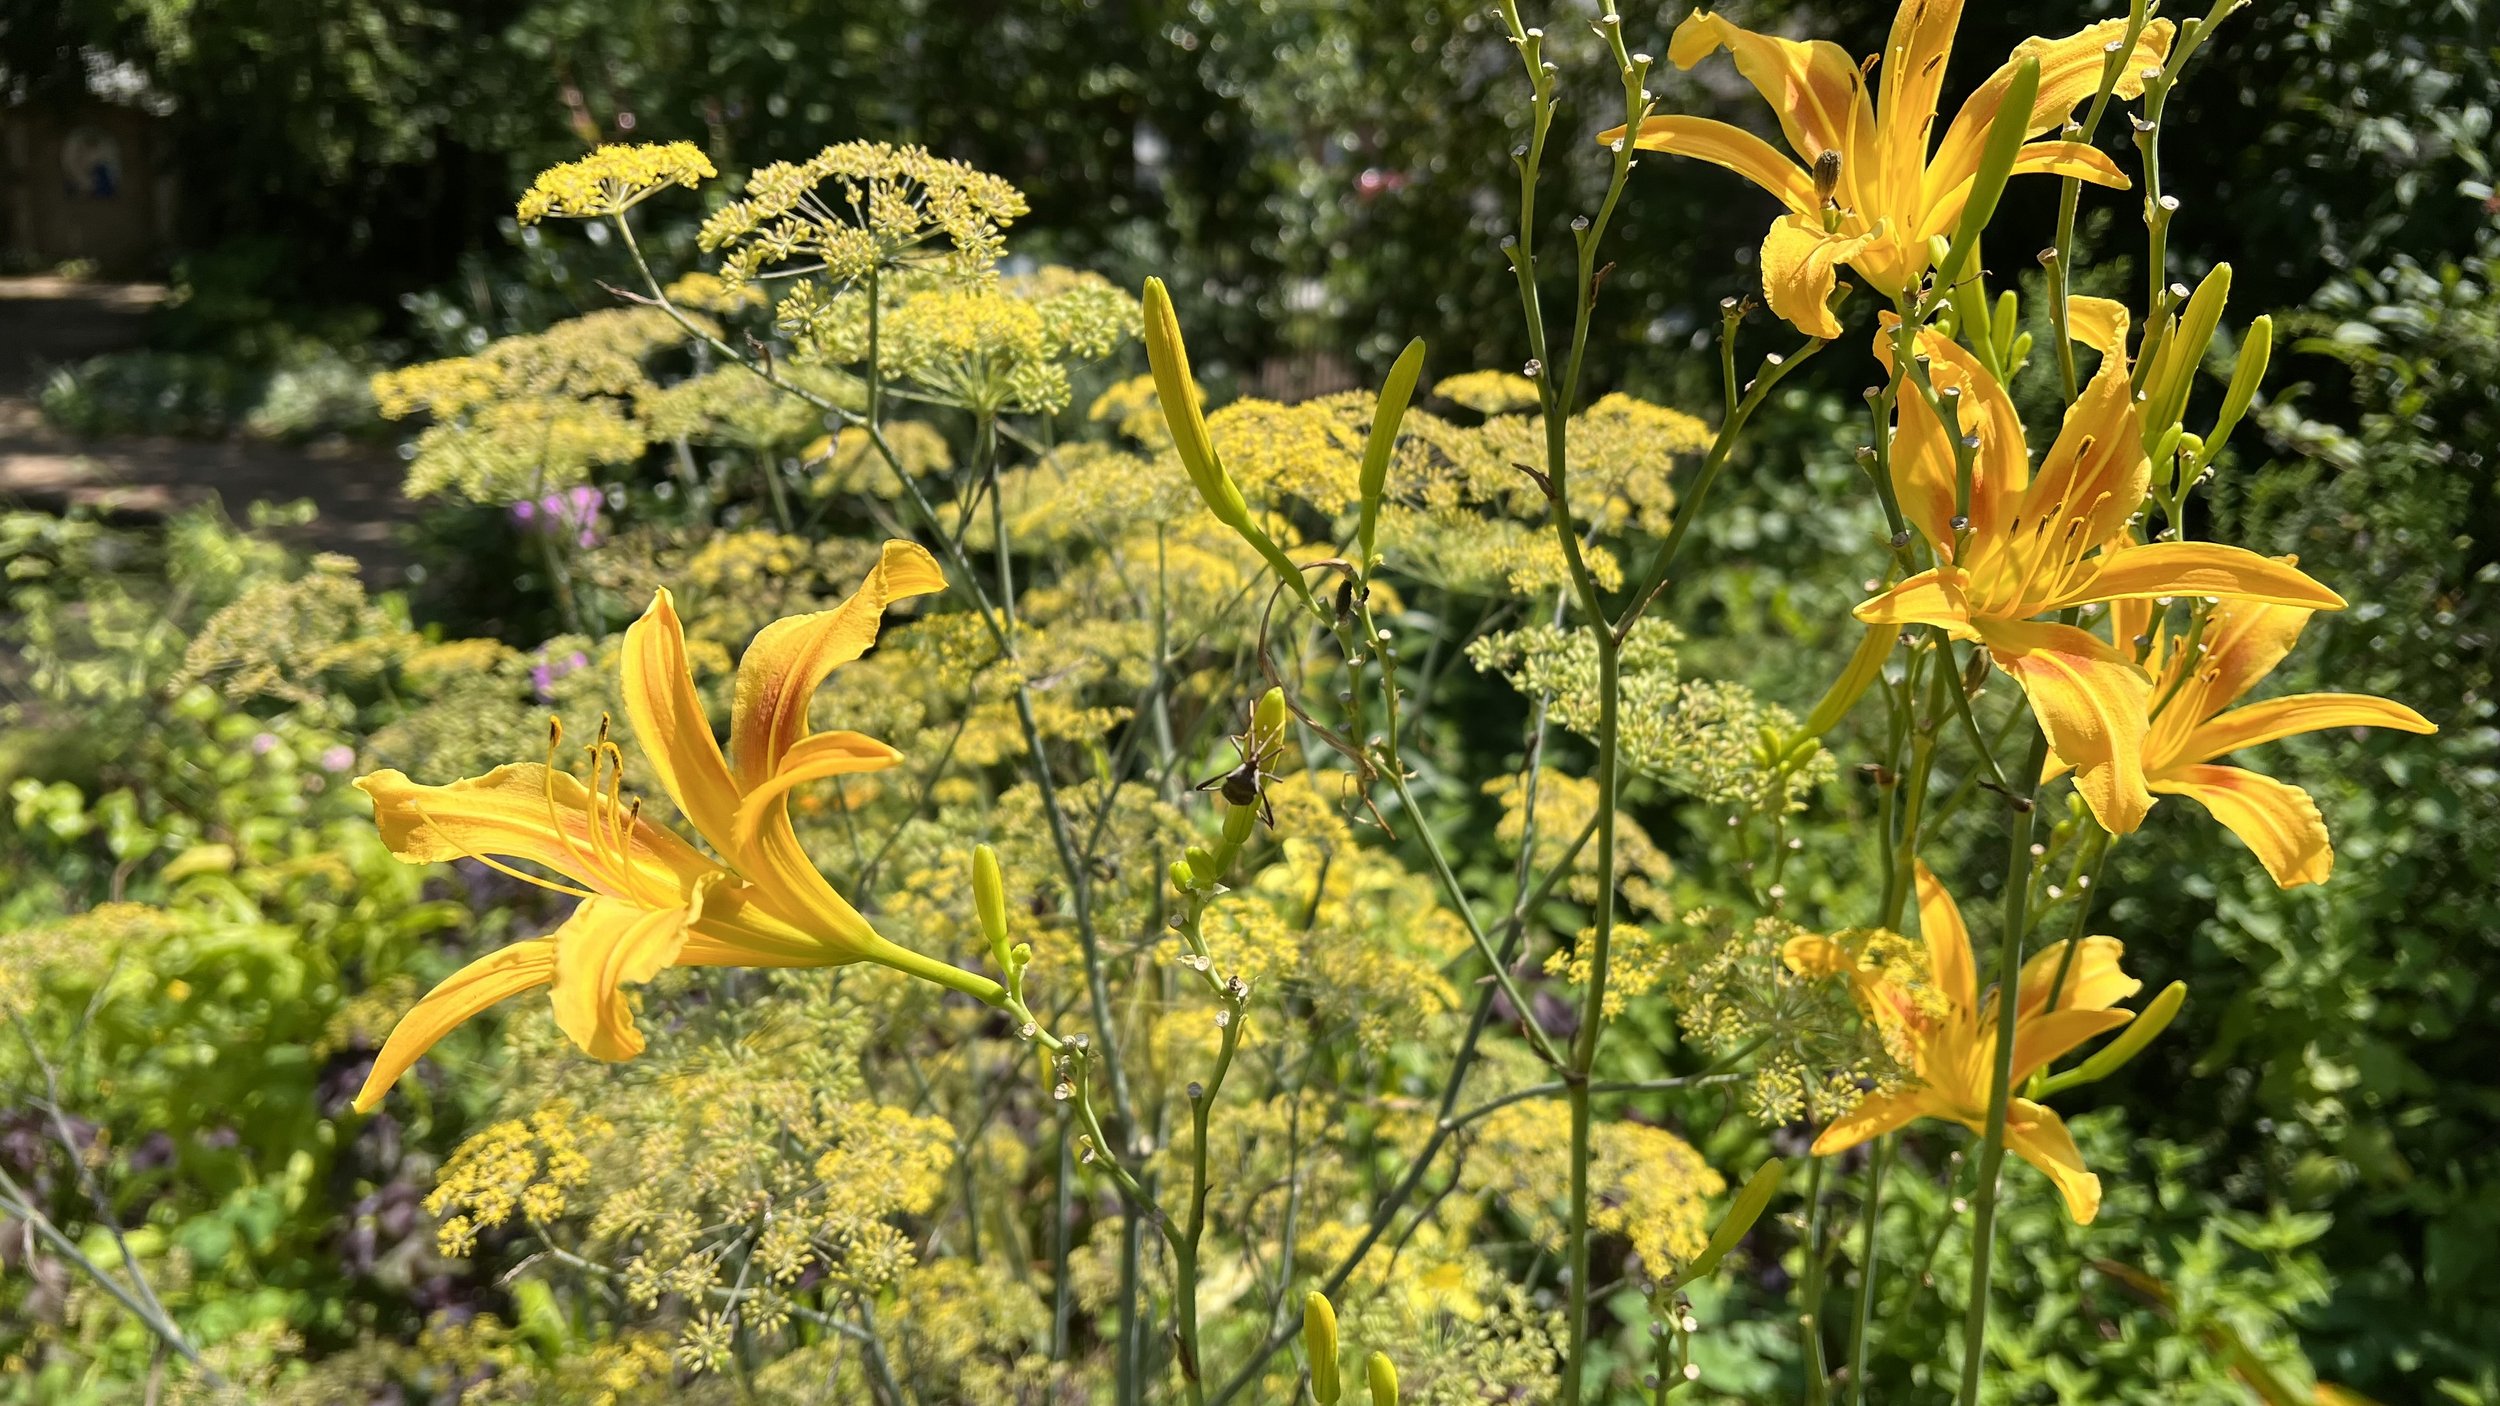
<point x="537" y="881"/>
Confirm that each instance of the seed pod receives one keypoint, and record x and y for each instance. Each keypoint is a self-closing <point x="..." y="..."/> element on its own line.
<point x="1319" y="1343"/>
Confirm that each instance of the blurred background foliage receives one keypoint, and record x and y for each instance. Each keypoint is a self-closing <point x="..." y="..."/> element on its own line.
<point x="1323" y="181"/>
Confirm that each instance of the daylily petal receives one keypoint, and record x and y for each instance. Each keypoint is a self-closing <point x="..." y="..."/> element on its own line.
<point x="1816" y="958"/>
<point x="1811" y="85"/>
<point x="2070" y="74"/>
<point x="815" y="758"/>
<point x="2093" y="478"/>
<point x="2084" y="163"/>
<point x="604" y="947"/>
<point x="1948" y="942"/>
<point x="2039" y="1137"/>
<point x="2277" y="821"/>
<point x="1925" y="474"/>
<point x="671" y="723"/>
<point x="2046" y="1036"/>
<point x="2093" y="980"/>
<point x="1800" y="262"/>
<point x="2277" y="718"/>
<point x="2196" y="569"/>
<point x="2091" y="700"/>
<point x="790" y="659"/>
<point x="500" y="974"/>
<point x="508" y="814"/>
<point x="1912" y="76"/>
<point x="2101" y="324"/>
<point x="1731" y="147"/>
<point x="1930" y="598"/>
<point x="1874" y="1116"/>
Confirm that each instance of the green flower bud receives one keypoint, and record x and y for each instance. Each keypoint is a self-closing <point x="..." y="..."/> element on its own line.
<point x="989" y="900"/>
<point x="1267" y="721"/>
<point x="1384" y="1380"/>
<point x="1238" y="823"/>
<point x="1319" y="1343"/>
<point x="1203" y="868"/>
<point x="1183" y="876"/>
<point x="1751" y="1201"/>
<point x="1394" y="395"/>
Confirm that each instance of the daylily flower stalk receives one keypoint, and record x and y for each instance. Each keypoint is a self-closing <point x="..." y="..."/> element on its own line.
<point x="2030" y="545"/>
<point x="1937" y="1023"/>
<point x="1867" y="187"/>
<point x="649" y="899"/>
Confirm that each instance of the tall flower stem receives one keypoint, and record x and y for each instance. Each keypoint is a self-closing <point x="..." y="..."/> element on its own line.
<point x="2026" y="786"/>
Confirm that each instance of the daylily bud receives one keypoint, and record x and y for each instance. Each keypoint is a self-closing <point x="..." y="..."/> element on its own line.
<point x="989" y="900"/>
<point x="2112" y="1057"/>
<point x="1267" y="721"/>
<point x="1865" y="665"/>
<point x="1384" y="1380"/>
<point x="1184" y="875"/>
<point x="1239" y="821"/>
<point x="1750" y="1202"/>
<point x="1319" y="1343"/>
<point x="1203" y="866"/>
<point x="2008" y="318"/>
<point x="1179" y="396"/>
<point x="2255" y="351"/>
<point x="2168" y="382"/>
<point x="1386" y="416"/>
<point x="1996" y="163"/>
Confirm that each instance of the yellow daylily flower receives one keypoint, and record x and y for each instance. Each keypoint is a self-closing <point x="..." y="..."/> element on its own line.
<point x="650" y="900"/>
<point x="2041" y="543"/>
<point x="2196" y="679"/>
<point x="1947" y="1034"/>
<point x="1865" y="190"/>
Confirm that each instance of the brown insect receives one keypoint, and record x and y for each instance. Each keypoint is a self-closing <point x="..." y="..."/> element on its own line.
<point x="1246" y="784"/>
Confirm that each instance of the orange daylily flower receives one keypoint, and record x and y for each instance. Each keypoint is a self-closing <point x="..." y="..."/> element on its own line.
<point x="649" y="899"/>
<point x="1940" y="1026"/>
<point x="2195" y="682"/>
<point x="2041" y="543"/>
<point x="1865" y="189"/>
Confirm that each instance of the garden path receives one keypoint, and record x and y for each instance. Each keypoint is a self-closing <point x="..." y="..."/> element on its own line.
<point x="47" y="321"/>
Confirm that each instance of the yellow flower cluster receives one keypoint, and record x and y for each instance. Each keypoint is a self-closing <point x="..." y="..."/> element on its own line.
<point x="613" y="180"/>
<point x="1651" y="1187"/>
<point x="292" y="640"/>
<point x="862" y="206"/>
<point x="1565" y="805"/>
<point x="535" y="413"/>
<point x="527" y="1166"/>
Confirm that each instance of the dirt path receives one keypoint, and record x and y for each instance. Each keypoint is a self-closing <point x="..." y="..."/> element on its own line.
<point x="47" y="321"/>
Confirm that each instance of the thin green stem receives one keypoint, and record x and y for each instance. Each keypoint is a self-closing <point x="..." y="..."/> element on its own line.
<point x="2001" y="1075"/>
